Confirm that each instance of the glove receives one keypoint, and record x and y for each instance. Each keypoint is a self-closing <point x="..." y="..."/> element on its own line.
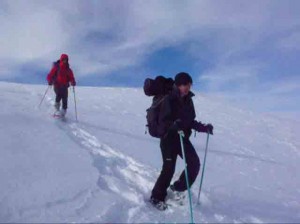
<point x="209" y="129"/>
<point x="50" y="83"/>
<point x="176" y="126"/>
<point x="73" y="84"/>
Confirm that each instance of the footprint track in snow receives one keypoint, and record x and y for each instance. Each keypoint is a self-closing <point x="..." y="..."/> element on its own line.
<point x="118" y="173"/>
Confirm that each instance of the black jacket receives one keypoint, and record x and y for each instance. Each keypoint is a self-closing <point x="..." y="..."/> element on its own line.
<point x="174" y="107"/>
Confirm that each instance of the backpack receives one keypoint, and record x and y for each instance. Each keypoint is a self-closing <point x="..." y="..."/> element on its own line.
<point x="159" y="88"/>
<point x="56" y="64"/>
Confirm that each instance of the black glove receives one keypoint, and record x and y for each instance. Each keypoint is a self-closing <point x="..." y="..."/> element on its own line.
<point x="176" y="126"/>
<point x="209" y="129"/>
<point x="50" y="83"/>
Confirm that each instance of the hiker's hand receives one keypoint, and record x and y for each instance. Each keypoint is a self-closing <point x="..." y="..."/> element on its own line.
<point x="209" y="129"/>
<point x="50" y="83"/>
<point x="176" y="126"/>
<point x="73" y="83"/>
<point x="198" y="126"/>
<point x="206" y="128"/>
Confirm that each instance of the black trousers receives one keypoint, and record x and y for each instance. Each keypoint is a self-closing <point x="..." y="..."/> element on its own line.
<point x="61" y="95"/>
<point x="170" y="148"/>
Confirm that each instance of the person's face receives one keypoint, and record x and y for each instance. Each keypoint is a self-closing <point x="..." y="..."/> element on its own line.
<point x="184" y="89"/>
<point x="65" y="60"/>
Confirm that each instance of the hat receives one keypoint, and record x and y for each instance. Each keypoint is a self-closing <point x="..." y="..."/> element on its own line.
<point x="64" y="56"/>
<point x="183" y="78"/>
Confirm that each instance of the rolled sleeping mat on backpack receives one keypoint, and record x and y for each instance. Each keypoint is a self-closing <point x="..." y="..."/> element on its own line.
<point x="158" y="86"/>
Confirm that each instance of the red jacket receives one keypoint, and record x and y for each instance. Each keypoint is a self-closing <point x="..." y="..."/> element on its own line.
<point x="61" y="74"/>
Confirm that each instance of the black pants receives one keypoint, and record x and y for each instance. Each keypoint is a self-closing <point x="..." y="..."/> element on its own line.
<point x="61" y="94"/>
<point x="170" y="148"/>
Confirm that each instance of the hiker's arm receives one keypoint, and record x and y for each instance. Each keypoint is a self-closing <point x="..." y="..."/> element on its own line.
<point x="72" y="79"/>
<point x="197" y="125"/>
<point x="200" y="127"/>
<point x="51" y="75"/>
<point x="189" y="121"/>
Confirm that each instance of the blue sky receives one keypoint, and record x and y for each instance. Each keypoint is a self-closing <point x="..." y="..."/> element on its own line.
<point x="246" y="51"/>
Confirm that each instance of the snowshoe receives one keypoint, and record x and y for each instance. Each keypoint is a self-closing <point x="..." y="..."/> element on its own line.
<point x="60" y="114"/>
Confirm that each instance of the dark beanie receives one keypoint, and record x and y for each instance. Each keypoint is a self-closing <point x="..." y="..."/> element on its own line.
<point x="183" y="78"/>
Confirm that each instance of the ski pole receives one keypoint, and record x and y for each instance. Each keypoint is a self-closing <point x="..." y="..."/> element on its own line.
<point x="181" y="134"/>
<point x="44" y="96"/>
<point x="75" y="103"/>
<point x="202" y="175"/>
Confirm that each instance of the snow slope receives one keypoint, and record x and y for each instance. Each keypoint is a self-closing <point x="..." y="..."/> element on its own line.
<point x="102" y="169"/>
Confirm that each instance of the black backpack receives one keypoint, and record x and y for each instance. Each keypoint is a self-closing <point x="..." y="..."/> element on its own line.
<point x="159" y="88"/>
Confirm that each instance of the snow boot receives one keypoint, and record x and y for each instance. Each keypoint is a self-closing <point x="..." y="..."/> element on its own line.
<point x="177" y="195"/>
<point x="160" y="205"/>
<point x="57" y="106"/>
<point x="63" y="112"/>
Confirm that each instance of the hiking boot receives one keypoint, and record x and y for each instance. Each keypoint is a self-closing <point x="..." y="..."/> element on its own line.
<point x="177" y="195"/>
<point x="63" y="112"/>
<point x="57" y="106"/>
<point x="160" y="205"/>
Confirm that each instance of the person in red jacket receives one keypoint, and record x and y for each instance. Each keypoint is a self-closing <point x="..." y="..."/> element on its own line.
<point x="61" y="75"/>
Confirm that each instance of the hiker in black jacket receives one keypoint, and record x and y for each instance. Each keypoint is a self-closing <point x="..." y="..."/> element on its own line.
<point x="177" y="112"/>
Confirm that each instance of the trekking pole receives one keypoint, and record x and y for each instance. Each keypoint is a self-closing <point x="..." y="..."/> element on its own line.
<point x="75" y="103"/>
<point x="44" y="96"/>
<point x="202" y="175"/>
<point x="181" y="134"/>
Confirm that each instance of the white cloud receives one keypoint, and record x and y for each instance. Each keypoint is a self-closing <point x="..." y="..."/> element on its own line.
<point x="105" y="36"/>
<point x="234" y="78"/>
<point x="284" y="86"/>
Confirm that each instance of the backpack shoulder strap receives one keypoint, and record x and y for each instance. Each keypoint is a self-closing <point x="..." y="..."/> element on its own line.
<point x="56" y="64"/>
<point x="157" y="102"/>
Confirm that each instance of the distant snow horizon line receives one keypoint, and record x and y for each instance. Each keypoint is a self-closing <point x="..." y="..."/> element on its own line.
<point x="284" y="114"/>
